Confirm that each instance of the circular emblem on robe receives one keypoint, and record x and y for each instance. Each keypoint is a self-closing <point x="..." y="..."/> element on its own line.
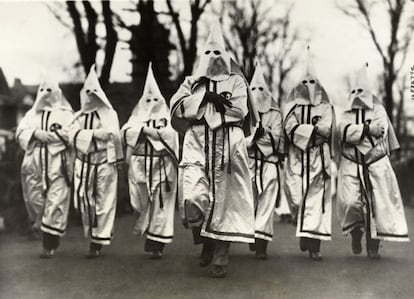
<point x="315" y="119"/>
<point x="227" y="95"/>
<point x="55" y="126"/>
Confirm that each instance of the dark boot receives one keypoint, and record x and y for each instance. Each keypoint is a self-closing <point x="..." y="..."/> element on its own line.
<point x="207" y="253"/>
<point x="261" y="249"/>
<point x="155" y="248"/>
<point x="219" y="271"/>
<point x="372" y="247"/>
<point x="314" y="247"/>
<point x="220" y="259"/>
<point x="252" y="247"/>
<point x="94" y="251"/>
<point x="356" y="240"/>
<point x="49" y="246"/>
<point x="303" y="244"/>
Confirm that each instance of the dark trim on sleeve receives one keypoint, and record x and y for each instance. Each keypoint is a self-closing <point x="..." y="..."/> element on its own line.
<point x="124" y="135"/>
<point x="272" y="140"/>
<point x="292" y="132"/>
<point x="345" y="133"/>
<point x="176" y="104"/>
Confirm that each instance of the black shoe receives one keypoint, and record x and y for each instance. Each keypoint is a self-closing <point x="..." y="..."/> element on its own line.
<point x="303" y="244"/>
<point x="156" y="255"/>
<point x="261" y="249"/>
<point x="373" y="255"/>
<point x="356" y="241"/>
<point x="47" y="253"/>
<point x="218" y="272"/>
<point x="252" y="247"/>
<point x="93" y="254"/>
<point x="315" y="256"/>
<point x="207" y="254"/>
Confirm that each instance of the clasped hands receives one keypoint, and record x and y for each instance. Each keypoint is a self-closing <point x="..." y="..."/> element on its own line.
<point x="219" y="102"/>
<point x="50" y="137"/>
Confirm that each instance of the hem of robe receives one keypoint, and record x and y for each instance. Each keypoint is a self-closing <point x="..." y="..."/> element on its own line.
<point x="392" y="238"/>
<point x="229" y="237"/>
<point x="315" y="235"/>
<point x="99" y="240"/>
<point x="159" y="238"/>
<point x="52" y="230"/>
<point x="263" y="235"/>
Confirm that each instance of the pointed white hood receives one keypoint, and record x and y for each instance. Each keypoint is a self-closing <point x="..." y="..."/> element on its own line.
<point x="92" y="95"/>
<point x="151" y="105"/>
<point x="361" y="95"/>
<point x="260" y="91"/>
<point x="49" y="96"/>
<point x="309" y="90"/>
<point x="214" y="60"/>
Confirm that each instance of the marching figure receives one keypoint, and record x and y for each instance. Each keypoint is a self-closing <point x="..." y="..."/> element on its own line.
<point x="96" y="139"/>
<point x="369" y="198"/>
<point x="47" y="166"/>
<point x="308" y="126"/>
<point x="152" y="153"/>
<point x="265" y="147"/>
<point x="216" y="199"/>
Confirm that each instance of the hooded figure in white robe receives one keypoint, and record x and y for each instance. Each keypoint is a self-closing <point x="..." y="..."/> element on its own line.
<point x="309" y="126"/>
<point x="216" y="191"/>
<point x="47" y="165"/>
<point x="152" y="155"/>
<point x="96" y="138"/>
<point x="265" y="147"/>
<point x="369" y="198"/>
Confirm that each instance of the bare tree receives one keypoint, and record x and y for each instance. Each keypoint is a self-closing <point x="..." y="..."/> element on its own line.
<point x="279" y="57"/>
<point x="111" y="42"/>
<point x="149" y="41"/>
<point x="86" y="36"/>
<point x="85" y="40"/>
<point x="188" y="46"/>
<point x="394" y="53"/>
<point x="259" y="35"/>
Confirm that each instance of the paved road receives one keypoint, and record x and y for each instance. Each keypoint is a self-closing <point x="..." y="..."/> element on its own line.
<point x="126" y="272"/>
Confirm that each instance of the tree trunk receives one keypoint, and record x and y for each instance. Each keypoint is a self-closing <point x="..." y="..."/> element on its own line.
<point x="86" y="43"/>
<point x="111" y="42"/>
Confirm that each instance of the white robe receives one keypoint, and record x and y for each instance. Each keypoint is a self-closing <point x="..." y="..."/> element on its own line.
<point x="265" y="172"/>
<point x="214" y="170"/>
<point x="46" y="171"/>
<point x="368" y="192"/>
<point x="307" y="176"/>
<point x="96" y="175"/>
<point x="152" y="177"/>
<point x="283" y="208"/>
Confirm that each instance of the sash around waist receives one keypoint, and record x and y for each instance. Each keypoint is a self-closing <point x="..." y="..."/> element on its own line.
<point x="92" y="159"/>
<point x="360" y="162"/>
<point x="202" y="122"/>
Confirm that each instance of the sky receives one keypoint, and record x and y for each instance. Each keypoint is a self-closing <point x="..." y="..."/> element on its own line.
<point x="34" y="42"/>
